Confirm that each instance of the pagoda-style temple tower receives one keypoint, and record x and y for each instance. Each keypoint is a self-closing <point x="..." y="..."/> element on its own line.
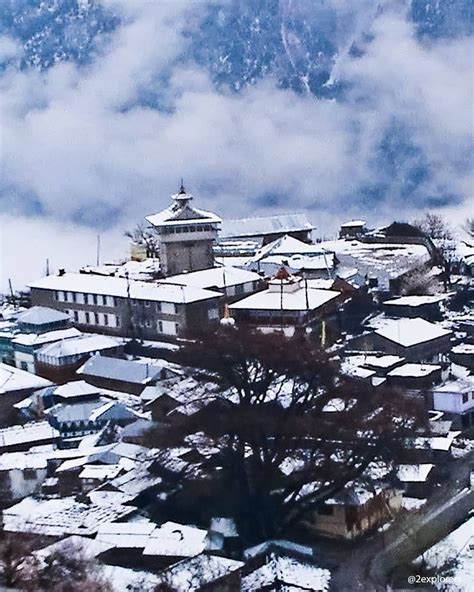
<point x="185" y="234"/>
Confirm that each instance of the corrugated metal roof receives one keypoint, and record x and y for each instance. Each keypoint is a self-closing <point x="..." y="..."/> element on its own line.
<point x="265" y="225"/>
<point x="116" y="369"/>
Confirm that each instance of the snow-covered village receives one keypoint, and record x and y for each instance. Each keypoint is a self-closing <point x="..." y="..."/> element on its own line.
<point x="243" y="406"/>
<point x="236" y="296"/>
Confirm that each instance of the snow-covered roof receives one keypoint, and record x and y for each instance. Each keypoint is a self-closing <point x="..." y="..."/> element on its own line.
<point x="257" y="226"/>
<point x="126" y="534"/>
<point x="219" y="277"/>
<point x="60" y="516"/>
<point x="300" y="299"/>
<point x="117" y="369"/>
<point x="416" y="370"/>
<point x="383" y="261"/>
<point x="287" y="245"/>
<point x="81" y="345"/>
<point x="159" y="291"/>
<point x="408" y="332"/>
<point x="463" y="348"/>
<point x="41" y="315"/>
<point x="77" y="388"/>
<point x="176" y="540"/>
<point x="415" y="301"/>
<point x="35" y="340"/>
<point x="75" y="544"/>
<point x="460" y="385"/>
<point x="100" y="472"/>
<point x="281" y="544"/>
<point x="442" y="443"/>
<point x="353" y="223"/>
<point x="181" y="212"/>
<point x="13" y="379"/>
<point x="135" y="481"/>
<point x="287" y="572"/>
<point x="190" y="575"/>
<point x="414" y="473"/>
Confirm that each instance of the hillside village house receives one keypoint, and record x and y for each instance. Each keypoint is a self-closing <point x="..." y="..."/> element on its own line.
<point x="426" y="307"/>
<point x="59" y="361"/>
<point x="117" y="306"/>
<point x="16" y="385"/>
<point x="289" y="303"/>
<point x="416" y="340"/>
<point x="456" y="399"/>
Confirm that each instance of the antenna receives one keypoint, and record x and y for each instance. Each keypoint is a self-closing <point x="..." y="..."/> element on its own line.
<point x="47" y="266"/>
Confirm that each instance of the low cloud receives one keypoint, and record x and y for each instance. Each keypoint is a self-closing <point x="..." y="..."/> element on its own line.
<point x="82" y="148"/>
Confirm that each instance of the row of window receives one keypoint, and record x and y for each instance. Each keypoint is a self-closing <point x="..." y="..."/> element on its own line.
<point x="83" y="298"/>
<point x="163" y="307"/>
<point x="180" y="229"/>
<point x="95" y="318"/>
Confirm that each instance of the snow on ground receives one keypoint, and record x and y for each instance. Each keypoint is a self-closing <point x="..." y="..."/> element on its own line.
<point x="456" y="546"/>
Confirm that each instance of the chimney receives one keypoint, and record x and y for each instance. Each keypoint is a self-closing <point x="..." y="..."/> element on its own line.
<point x="61" y="272"/>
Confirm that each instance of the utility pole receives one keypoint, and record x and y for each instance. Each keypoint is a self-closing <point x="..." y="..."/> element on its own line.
<point x="98" y="250"/>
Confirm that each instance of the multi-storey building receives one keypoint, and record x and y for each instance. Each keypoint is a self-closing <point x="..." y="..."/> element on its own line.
<point x="118" y="306"/>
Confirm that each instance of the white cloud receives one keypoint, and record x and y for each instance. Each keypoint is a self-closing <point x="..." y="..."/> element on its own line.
<point x="76" y="142"/>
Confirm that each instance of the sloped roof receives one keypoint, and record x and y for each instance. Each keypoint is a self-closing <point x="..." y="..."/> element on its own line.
<point x="116" y="286"/>
<point x="82" y="345"/>
<point x="41" y="315"/>
<point x="408" y="332"/>
<point x="116" y="369"/>
<point x="215" y="276"/>
<point x="241" y="227"/>
<point x="176" y="540"/>
<point x="301" y="299"/>
<point x="14" y="379"/>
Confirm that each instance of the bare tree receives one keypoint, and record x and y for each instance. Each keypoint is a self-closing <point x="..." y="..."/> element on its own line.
<point x="439" y="231"/>
<point x="287" y="433"/>
<point x="146" y="237"/>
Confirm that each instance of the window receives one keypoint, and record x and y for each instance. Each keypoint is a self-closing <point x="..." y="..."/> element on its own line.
<point x="104" y="300"/>
<point x="168" y="308"/>
<point x="96" y="318"/>
<point x="106" y="320"/>
<point x="160" y="326"/>
<point x="158" y="306"/>
<point x="117" y="321"/>
<point x="88" y="319"/>
<point x="76" y="316"/>
<point x="213" y="313"/>
<point x="465" y="397"/>
<point x="86" y="298"/>
<point x="73" y="296"/>
<point x="146" y="302"/>
<point x="56" y="295"/>
<point x="148" y="323"/>
<point x="29" y="473"/>
<point x="24" y="366"/>
<point x="94" y="298"/>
